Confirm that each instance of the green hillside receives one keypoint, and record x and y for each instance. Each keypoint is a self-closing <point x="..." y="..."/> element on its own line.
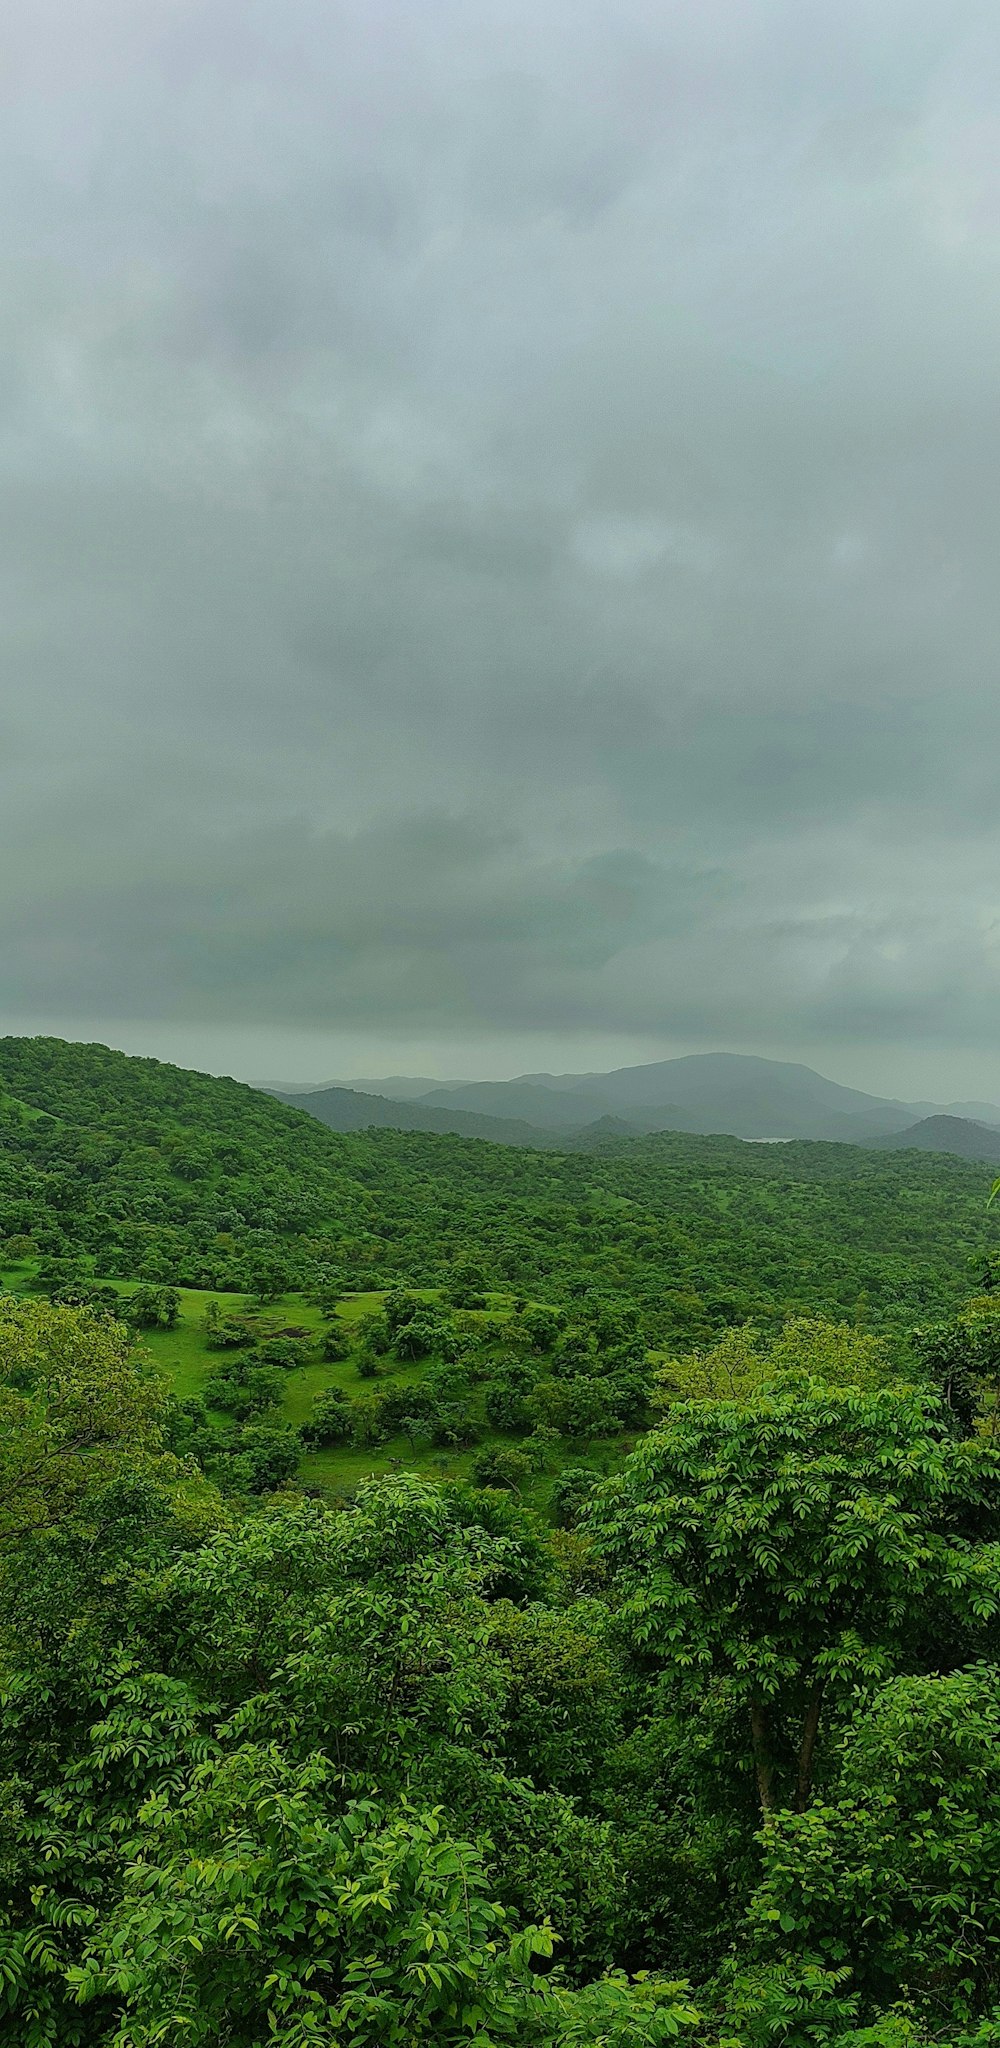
<point x="345" y="1109"/>
<point x="150" y="1172"/>
<point x="125" y="1183"/>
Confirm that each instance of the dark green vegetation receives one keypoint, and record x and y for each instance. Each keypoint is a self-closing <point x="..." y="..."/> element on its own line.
<point x="659" y="1701"/>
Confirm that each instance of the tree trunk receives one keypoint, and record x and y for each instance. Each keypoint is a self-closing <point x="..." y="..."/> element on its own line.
<point x="762" y="1757"/>
<point x="807" y="1746"/>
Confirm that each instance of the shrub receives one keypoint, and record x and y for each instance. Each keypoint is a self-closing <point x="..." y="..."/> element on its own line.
<point x="266" y="1458"/>
<point x="506" y="1407"/>
<point x="284" y="1352"/>
<point x="244" y="1388"/>
<point x="151" y="1308"/>
<point x="330" y="1420"/>
<point x="541" y="1326"/>
<point x="500" y="1466"/>
<point x="570" y="1493"/>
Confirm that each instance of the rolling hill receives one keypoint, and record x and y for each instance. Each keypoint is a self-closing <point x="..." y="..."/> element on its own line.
<point x="145" y="1171"/>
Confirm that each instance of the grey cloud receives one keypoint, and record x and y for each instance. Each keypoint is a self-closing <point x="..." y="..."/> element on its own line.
<point x="452" y="923"/>
<point x="501" y="521"/>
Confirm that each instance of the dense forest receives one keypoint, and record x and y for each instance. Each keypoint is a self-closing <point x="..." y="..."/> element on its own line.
<point x="452" y="1594"/>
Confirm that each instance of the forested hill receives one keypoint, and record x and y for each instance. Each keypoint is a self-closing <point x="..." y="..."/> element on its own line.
<point x="148" y="1171"/>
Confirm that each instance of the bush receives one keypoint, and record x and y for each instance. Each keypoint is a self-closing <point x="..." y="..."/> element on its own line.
<point x="570" y="1493"/>
<point x="330" y="1420"/>
<point x="575" y="1354"/>
<point x="423" y="1336"/>
<point x="628" y="1393"/>
<point x="501" y="1467"/>
<point x="265" y="1459"/>
<point x="375" y="1335"/>
<point x="454" y="1428"/>
<point x="369" y="1425"/>
<point x="543" y="1447"/>
<point x="244" y="1388"/>
<point x="18" y="1248"/>
<point x="225" y="1332"/>
<point x="580" y="1407"/>
<point x="466" y="1286"/>
<point x="151" y="1308"/>
<point x="506" y="1406"/>
<point x="287" y="1353"/>
<point x="399" y="1308"/>
<point x="82" y="1292"/>
<point x="400" y="1402"/>
<point x="541" y="1326"/>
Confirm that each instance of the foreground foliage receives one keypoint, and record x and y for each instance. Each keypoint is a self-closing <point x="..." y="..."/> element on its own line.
<point x="720" y="1766"/>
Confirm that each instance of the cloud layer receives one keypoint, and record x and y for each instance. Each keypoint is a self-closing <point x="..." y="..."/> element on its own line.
<point x="502" y="526"/>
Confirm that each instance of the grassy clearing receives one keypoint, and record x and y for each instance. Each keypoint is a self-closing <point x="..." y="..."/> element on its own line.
<point x="186" y="1361"/>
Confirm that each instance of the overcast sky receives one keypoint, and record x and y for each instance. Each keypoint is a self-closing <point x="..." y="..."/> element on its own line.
<point x="502" y="537"/>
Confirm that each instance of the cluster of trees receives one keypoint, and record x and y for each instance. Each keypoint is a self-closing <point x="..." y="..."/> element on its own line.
<point x="537" y="1375"/>
<point x="432" y="1376"/>
<point x="715" y="1760"/>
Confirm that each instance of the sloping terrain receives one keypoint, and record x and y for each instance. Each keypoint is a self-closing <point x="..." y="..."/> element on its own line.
<point x="557" y="1109"/>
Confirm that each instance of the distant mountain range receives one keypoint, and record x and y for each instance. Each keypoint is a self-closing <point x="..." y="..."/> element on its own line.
<point x="345" y="1109"/>
<point x="735" y="1094"/>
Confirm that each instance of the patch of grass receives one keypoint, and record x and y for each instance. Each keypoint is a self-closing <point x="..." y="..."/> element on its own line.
<point x="182" y="1353"/>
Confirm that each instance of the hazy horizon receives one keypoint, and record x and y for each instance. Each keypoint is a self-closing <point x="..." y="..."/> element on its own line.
<point x="312" y="1060"/>
<point x="502" y="527"/>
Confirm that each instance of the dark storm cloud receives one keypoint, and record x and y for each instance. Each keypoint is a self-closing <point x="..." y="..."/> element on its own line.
<point x="501" y="519"/>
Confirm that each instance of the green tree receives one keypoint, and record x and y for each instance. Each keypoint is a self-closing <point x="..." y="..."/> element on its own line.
<point x="570" y="1493"/>
<point x="329" y="1420"/>
<point x="267" y="1456"/>
<point x="504" y="1399"/>
<point x="500" y="1465"/>
<point x="798" y="1545"/>
<point x="255" y="1912"/>
<point x="77" y="1408"/>
<point x="151" y="1308"/>
<point x="893" y="1876"/>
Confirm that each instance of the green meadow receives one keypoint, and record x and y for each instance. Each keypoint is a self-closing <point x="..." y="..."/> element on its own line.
<point x="186" y="1360"/>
